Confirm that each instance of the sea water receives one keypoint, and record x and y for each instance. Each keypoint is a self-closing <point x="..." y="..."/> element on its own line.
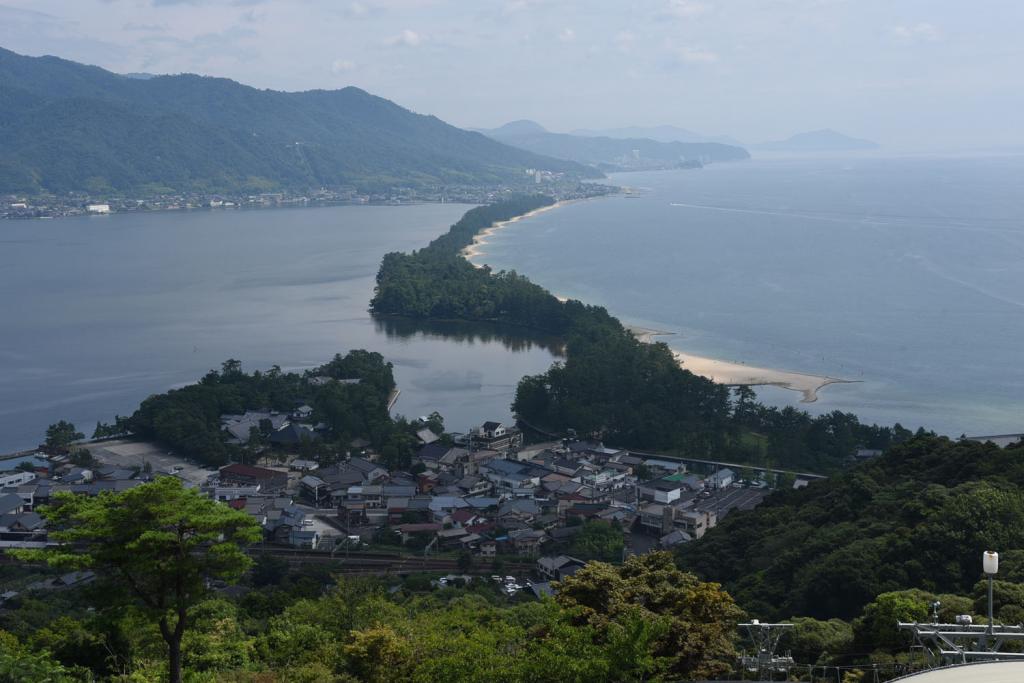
<point x="99" y="312"/>
<point x="904" y="274"/>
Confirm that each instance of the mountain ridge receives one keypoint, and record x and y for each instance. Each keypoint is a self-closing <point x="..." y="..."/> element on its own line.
<point x="611" y="153"/>
<point x="263" y="139"/>
<point x="662" y="133"/>
<point x="821" y="140"/>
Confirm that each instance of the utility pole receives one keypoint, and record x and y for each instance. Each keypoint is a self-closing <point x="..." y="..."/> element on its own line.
<point x="964" y="641"/>
<point x="766" y="638"/>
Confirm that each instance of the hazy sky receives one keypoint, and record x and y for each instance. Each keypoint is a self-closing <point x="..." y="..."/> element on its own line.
<point x="914" y="73"/>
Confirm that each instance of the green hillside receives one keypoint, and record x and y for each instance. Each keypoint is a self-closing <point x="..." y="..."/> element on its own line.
<point x="918" y="517"/>
<point x="69" y="127"/>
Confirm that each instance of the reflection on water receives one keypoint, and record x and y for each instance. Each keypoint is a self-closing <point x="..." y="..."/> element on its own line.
<point x="513" y="338"/>
<point x="100" y="312"/>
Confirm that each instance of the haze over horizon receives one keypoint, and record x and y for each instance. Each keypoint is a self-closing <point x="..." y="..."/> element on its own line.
<point x="910" y="76"/>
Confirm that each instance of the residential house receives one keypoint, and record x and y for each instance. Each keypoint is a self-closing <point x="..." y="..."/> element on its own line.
<point x="228" y="493"/>
<point x="306" y="539"/>
<point x="527" y="542"/>
<point x="695" y="522"/>
<point x="11" y="503"/>
<point x="660" y="490"/>
<point x="512" y="477"/>
<point x="293" y="434"/>
<point x="15" y="478"/>
<point x="497" y="437"/>
<point x="268" y="480"/>
<point x="721" y="478"/>
<point x="674" y="538"/>
<point x="425" y="436"/>
<point x="315" y="490"/>
<point x="559" y="567"/>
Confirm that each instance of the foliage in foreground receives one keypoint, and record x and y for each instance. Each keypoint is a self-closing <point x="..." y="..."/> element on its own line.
<point x="156" y="547"/>
<point x="644" y="621"/>
<point x="918" y="517"/>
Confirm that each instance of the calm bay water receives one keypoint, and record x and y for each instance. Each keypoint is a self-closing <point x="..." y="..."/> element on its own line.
<point x="100" y="312"/>
<point x="905" y="274"/>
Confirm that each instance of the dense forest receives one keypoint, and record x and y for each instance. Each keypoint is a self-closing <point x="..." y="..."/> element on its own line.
<point x="611" y="385"/>
<point x="917" y="517"/>
<point x="70" y="127"/>
<point x="189" y="419"/>
<point x="645" y="620"/>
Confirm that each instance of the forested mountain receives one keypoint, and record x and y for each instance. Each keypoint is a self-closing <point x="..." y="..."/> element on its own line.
<point x="602" y="151"/>
<point x="919" y="517"/>
<point x="70" y="127"/>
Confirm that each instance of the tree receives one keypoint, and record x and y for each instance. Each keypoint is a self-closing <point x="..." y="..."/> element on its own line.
<point x="82" y="457"/>
<point x="19" y="665"/>
<point x="598" y="540"/>
<point x="818" y="642"/>
<point x="465" y="562"/>
<point x="156" y="545"/>
<point x="691" y="623"/>
<point x="876" y="629"/>
<point x="60" y="435"/>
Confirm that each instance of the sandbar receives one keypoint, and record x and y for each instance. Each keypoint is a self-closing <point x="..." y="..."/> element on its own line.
<point x="734" y="374"/>
<point x="475" y="250"/>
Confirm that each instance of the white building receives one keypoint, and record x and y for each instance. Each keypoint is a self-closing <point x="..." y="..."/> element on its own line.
<point x="15" y="478"/>
<point x="98" y="208"/>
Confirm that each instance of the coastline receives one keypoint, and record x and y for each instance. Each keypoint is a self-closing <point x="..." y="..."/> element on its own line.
<point x="734" y="374"/>
<point x="719" y="371"/>
<point x="475" y="250"/>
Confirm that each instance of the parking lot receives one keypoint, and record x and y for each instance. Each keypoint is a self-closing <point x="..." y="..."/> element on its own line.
<point x="132" y="454"/>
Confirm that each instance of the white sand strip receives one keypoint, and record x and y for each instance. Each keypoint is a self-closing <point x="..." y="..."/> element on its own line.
<point x="730" y="373"/>
<point x="475" y="250"/>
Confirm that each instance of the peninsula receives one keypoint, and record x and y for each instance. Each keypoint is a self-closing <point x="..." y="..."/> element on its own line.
<point x="611" y="384"/>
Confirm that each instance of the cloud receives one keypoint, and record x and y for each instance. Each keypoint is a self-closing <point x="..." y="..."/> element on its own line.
<point x="694" y="55"/>
<point x="144" y="28"/>
<point x="922" y="31"/>
<point x="567" y="35"/>
<point x="357" y="10"/>
<point x="513" y="6"/>
<point x="340" y="66"/>
<point x="407" y="38"/>
<point x="685" y="9"/>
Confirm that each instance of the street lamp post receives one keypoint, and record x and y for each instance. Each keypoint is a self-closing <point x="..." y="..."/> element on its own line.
<point x="990" y="565"/>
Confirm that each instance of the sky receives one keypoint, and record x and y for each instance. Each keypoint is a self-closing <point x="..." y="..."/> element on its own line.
<point x="914" y="74"/>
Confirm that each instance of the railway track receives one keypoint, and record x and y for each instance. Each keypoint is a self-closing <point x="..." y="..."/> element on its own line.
<point x="383" y="563"/>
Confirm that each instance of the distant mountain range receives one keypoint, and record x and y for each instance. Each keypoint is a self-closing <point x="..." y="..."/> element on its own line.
<point x="659" y="133"/>
<point x="825" y="140"/>
<point x="66" y="127"/>
<point x="610" y="153"/>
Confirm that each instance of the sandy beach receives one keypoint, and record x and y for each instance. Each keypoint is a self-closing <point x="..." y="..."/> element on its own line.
<point x="718" y="371"/>
<point x="732" y="373"/>
<point x="475" y="250"/>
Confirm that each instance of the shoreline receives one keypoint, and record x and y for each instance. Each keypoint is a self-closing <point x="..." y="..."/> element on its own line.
<point x="731" y="373"/>
<point x="723" y="372"/>
<point x="475" y="250"/>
